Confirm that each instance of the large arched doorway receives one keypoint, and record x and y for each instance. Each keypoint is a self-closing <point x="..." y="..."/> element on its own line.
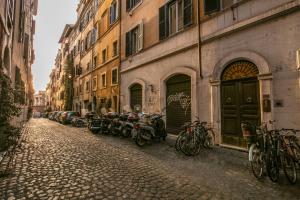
<point x="178" y="103"/>
<point x="239" y="100"/>
<point x="136" y="96"/>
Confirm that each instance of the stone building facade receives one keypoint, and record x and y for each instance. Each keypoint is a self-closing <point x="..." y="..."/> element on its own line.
<point x="17" y="29"/>
<point x="238" y="65"/>
<point x="39" y="104"/>
<point x="159" y="59"/>
<point x="249" y="65"/>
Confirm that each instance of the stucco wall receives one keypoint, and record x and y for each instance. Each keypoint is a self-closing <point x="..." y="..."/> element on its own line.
<point x="276" y="41"/>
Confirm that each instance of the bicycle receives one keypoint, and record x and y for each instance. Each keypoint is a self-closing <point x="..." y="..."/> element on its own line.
<point x="195" y="136"/>
<point x="258" y="146"/>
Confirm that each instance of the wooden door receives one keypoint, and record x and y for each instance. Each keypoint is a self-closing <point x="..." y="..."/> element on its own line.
<point x="240" y="102"/>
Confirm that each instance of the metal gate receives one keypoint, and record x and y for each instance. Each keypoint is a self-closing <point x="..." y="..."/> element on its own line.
<point x="178" y="103"/>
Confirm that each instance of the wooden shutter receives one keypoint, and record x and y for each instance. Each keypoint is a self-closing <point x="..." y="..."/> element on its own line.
<point x="111" y="14"/>
<point x="128" y="44"/>
<point x="141" y="37"/>
<point x="163" y="22"/>
<point x="211" y="6"/>
<point x="187" y="12"/>
<point x="128" y="5"/>
<point x="117" y="9"/>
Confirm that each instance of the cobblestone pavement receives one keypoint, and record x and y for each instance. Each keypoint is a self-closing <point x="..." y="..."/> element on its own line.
<point x="61" y="162"/>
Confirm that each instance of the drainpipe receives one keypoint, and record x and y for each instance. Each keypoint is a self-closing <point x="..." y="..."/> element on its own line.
<point x="199" y="39"/>
<point x="119" y="51"/>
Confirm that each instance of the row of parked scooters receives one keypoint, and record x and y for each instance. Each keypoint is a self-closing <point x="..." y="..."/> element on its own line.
<point x="142" y="128"/>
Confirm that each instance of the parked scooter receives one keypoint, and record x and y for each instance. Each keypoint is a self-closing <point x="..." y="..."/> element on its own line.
<point x="107" y="120"/>
<point x="128" y="125"/>
<point x="151" y="128"/>
<point x="118" y="124"/>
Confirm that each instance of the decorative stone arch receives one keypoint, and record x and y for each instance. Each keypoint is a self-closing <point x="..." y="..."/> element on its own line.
<point x="251" y="56"/>
<point x="265" y="85"/>
<point x="143" y="84"/>
<point x="189" y="71"/>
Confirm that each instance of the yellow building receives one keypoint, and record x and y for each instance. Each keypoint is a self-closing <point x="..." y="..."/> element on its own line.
<point x="94" y="46"/>
<point x="105" y="76"/>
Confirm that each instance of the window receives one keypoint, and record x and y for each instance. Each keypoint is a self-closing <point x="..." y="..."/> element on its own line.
<point x="104" y="55"/>
<point x="134" y="40"/>
<point x="95" y="61"/>
<point x="114" y="76"/>
<point x="211" y="6"/>
<point x="103" y="23"/>
<point x="103" y="80"/>
<point x="88" y="67"/>
<point x="95" y="83"/>
<point x="115" y="48"/>
<point x="80" y="88"/>
<point x="113" y="12"/>
<point x="87" y="86"/>
<point x="94" y="34"/>
<point x="130" y="4"/>
<point x="174" y="17"/>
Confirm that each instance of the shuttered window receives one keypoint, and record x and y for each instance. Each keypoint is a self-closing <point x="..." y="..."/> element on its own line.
<point x="135" y="40"/>
<point x="187" y="12"/>
<point x="211" y="6"/>
<point x="130" y="4"/>
<point x="174" y="16"/>
<point x="163" y="22"/>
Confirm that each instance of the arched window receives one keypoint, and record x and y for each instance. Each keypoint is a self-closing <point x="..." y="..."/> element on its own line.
<point x="240" y="70"/>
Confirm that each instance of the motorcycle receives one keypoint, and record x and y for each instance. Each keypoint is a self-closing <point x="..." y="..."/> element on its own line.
<point x="128" y="125"/>
<point x="117" y="124"/>
<point x="94" y="124"/>
<point x="151" y="128"/>
<point x="107" y="121"/>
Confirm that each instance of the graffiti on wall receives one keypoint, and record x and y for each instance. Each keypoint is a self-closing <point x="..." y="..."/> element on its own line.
<point x="182" y="99"/>
<point x="153" y="102"/>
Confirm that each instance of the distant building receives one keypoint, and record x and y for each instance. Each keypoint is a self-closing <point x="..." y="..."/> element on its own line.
<point x="39" y="105"/>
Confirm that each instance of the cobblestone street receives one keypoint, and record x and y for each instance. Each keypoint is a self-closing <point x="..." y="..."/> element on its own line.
<point x="62" y="162"/>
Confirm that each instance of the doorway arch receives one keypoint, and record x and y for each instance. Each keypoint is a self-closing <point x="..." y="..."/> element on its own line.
<point x="240" y="100"/>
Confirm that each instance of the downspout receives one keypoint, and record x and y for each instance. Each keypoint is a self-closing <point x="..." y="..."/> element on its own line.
<point x="119" y="46"/>
<point x="199" y="39"/>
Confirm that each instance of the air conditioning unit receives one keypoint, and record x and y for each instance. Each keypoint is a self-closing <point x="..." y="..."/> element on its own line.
<point x="298" y="59"/>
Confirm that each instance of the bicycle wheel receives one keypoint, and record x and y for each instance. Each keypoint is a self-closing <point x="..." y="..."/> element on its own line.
<point x="209" y="139"/>
<point x="187" y="145"/>
<point x="289" y="167"/>
<point x="272" y="165"/>
<point x="256" y="161"/>
<point x="178" y="141"/>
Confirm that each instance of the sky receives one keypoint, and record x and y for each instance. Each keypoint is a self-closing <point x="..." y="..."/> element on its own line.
<point x="52" y="16"/>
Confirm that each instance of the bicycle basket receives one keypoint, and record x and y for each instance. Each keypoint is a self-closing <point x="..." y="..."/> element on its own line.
<point x="248" y="129"/>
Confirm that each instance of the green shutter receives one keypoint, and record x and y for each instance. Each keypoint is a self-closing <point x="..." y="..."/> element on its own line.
<point x="128" y="5"/>
<point x="163" y="22"/>
<point x="128" y="44"/>
<point x="187" y="12"/>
